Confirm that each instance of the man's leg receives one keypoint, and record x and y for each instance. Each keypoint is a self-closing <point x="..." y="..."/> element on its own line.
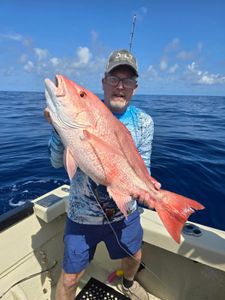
<point x="131" y="265"/>
<point x="130" y="238"/>
<point x="129" y="287"/>
<point x="67" y="285"/>
<point x="79" y="247"/>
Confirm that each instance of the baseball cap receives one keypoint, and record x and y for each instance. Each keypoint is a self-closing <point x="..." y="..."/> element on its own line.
<point x="121" y="57"/>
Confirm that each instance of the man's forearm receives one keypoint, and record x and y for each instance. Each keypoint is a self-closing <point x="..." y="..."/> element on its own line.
<point x="56" y="150"/>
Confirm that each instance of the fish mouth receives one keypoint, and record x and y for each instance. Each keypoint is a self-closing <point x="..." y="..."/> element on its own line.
<point x="53" y="90"/>
<point x="55" y="93"/>
<point x="50" y="89"/>
<point x="52" y="100"/>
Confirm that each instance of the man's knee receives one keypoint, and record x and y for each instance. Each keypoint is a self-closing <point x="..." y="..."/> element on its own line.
<point x="70" y="281"/>
<point x="132" y="260"/>
<point x="138" y="255"/>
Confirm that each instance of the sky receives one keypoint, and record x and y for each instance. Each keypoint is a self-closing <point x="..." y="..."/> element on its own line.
<point x="179" y="44"/>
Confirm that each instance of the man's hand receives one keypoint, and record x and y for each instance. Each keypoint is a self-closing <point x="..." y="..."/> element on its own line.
<point x="47" y="115"/>
<point x="145" y="199"/>
<point x="157" y="185"/>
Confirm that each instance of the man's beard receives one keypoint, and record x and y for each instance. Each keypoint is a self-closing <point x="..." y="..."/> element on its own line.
<point x="118" y="103"/>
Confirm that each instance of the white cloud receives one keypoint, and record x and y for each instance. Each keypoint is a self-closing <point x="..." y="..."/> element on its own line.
<point x="82" y="66"/>
<point x="173" y="69"/>
<point x="29" y="66"/>
<point x="41" y="54"/>
<point x="12" y="36"/>
<point x="83" y="57"/>
<point x="16" y="37"/>
<point x="150" y="74"/>
<point x="173" y="45"/>
<point x="185" y="55"/>
<point x="211" y="79"/>
<point x="152" y="71"/>
<point x="192" y="67"/>
<point x="87" y="62"/>
<point x="55" y="61"/>
<point x="23" y="58"/>
<point x="163" y="65"/>
<point x="197" y="76"/>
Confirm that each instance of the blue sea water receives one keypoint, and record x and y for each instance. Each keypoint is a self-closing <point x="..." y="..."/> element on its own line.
<point x="188" y="151"/>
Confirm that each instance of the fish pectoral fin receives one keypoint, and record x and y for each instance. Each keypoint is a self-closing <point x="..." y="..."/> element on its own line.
<point x="174" y="210"/>
<point x="121" y="199"/>
<point x="100" y="144"/>
<point x="103" y="151"/>
<point x="70" y="163"/>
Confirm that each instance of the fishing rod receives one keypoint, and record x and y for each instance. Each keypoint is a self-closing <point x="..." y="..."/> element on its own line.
<point x="132" y="32"/>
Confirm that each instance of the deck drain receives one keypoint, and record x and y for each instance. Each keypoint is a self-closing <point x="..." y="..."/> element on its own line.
<point x="191" y="229"/>
<point x="97" y="290"/>
<point x="65" y="189"/>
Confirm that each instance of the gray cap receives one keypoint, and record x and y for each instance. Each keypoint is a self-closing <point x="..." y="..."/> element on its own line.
<point x="121" y="57"/>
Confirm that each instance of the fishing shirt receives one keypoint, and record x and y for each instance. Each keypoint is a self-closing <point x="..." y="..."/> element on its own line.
<point x="88" y="202"/>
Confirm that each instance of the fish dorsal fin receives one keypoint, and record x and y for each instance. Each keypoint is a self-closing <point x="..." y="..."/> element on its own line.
<point x="70" y="163"/>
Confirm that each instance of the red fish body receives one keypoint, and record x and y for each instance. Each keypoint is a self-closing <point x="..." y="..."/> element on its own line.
<point x="102" y="147"/>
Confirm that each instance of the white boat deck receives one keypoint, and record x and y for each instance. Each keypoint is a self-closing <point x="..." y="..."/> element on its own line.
<point x="193" y="269"/>
<point x="100" y="269"/>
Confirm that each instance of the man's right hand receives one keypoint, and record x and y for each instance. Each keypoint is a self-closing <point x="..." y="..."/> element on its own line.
<point x="47" y="115"/>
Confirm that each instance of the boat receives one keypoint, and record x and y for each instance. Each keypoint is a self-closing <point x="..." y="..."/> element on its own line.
<point x="31" y="247"/>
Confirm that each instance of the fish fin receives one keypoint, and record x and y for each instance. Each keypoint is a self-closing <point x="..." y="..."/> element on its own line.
<point x="120" y="199"/>
<point x="70" y="163"/>
<point x="130" y="152"/>
<point x="174" y="210"/>
<point x="127" y="147"/>
<point x="103" y="151"/>
<point x="100" y="144"/>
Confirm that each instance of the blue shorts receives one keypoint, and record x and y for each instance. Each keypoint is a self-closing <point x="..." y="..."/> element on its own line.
<point x="80" y="241"/>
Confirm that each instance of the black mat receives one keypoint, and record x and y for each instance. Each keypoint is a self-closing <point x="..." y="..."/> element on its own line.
<point x="96" y="290"/>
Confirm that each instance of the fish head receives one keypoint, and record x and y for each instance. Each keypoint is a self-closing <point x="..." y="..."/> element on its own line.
<point x="67" y="103"/>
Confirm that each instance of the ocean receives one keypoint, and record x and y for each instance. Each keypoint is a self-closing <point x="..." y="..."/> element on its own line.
<point x="188" y="154"/>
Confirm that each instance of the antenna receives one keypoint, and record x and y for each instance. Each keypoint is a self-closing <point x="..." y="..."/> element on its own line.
<point x="132" y="32"/>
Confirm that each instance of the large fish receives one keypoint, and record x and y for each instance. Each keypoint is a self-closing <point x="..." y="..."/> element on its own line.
<point x="102" y="147"/>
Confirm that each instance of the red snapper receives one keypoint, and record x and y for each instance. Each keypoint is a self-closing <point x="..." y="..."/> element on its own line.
<point x="103" y="148"/>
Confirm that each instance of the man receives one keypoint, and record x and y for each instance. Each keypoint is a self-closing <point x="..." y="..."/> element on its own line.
<point x="91" y="211"/>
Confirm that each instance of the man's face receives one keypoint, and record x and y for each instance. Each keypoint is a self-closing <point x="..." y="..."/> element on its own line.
<point x="117" y="97"/>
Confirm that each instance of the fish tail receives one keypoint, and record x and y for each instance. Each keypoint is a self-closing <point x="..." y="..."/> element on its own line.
<point x="174" y="210"/>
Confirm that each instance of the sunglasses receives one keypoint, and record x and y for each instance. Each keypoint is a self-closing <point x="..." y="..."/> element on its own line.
<point x="128" y="83"/>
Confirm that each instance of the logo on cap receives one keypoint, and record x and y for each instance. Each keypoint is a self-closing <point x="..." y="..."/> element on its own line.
<point x="124" y="57"/>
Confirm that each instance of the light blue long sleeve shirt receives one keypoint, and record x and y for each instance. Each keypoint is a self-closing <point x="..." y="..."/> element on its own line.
<point x="83" y="206"/>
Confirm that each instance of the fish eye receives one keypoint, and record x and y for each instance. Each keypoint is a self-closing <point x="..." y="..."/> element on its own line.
<point x="82" y="94"/>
